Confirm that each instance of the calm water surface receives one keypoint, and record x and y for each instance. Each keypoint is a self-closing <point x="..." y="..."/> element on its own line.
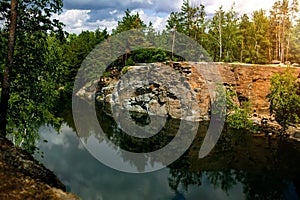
<point x="240" y="166"/>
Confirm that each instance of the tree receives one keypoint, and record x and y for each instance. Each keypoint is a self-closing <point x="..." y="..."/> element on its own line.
<point x="284" y="98"/>
<point x="231" y="36"/>
<point x="190" y="20"/>
<point x="128" y="22"/>
<point x="73" y="52"/>
<point x="33" y="79"/>
<point x="224" y="36"/>
<point x="294" y="9"/>
<point x="282" y="17"/>
<point x="245" y="30"/>
<point x="295" y="44"/>
<point x="8" y="68"/>
<point x="261" y="37"/>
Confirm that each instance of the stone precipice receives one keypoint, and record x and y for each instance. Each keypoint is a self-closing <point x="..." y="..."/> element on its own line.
<point x="252" y="82"/>
<point x="159" y="88"/>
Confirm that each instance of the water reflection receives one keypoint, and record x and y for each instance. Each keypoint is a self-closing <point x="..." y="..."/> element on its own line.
<point x="240" y="166"/>
<point x="85" y="176"/>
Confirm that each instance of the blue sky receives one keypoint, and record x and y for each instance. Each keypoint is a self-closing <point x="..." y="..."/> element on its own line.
<point x="81" y="15"/>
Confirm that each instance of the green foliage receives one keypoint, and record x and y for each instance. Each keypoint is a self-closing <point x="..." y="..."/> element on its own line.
<point x="47" y="60"/>
<point x="295" y="43"/>
<point x="106" y="74"/>
<point x="128" y="22"/>
<point x="255" y="38"/>
<point x="237" y="116"/>
<point x="149" y="56"/>
<point x="284" y="98"/>
<point x="71" y="52"/>
<point x="34" y="88"/>
<point x="224" y="36"/>
<point x="3" y="51"/>
<point x="124" y="69"/>
<point x="191" y="21"/>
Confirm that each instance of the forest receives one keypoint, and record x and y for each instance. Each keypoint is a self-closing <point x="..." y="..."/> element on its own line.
<point x="46" y="59"/>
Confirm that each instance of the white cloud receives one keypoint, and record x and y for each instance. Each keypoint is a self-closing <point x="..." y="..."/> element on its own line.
<point x="78" y="20"/>
<point x="113" y="12"/>
<point x="241" y="6"/>
<point x="159" y="23"/>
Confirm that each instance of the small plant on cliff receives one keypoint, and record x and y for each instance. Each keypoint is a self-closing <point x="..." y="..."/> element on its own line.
<point x="237" y="116"/>
<point x="124" y="69"/>
<point x="284" y="98"/>
<point x="106" y="74"/>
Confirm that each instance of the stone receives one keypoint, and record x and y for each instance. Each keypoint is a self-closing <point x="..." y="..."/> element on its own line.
<point x="249" y="81"/>
<point x="156" y="109"/>
<point x="136" y="108"/>
<point x="297" y="134"/>
<point x="174" y="108"/>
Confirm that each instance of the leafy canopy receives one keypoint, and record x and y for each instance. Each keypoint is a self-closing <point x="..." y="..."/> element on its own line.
<point x="284" y="98"/>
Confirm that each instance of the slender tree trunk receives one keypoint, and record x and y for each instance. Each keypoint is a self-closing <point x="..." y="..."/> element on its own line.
<point x="173" y="42"/>
<point x="8" y="68"/>
<point x="220" y="36"/>
<point x="279" y="47"/>
<point x="276" y="45"/>
<point x="282" y="42"/>
<point x="241" y="55"/>
<point x="288" y="47"/>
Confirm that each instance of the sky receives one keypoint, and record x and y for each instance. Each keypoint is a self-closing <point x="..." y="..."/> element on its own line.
<point x="79" y="15"/>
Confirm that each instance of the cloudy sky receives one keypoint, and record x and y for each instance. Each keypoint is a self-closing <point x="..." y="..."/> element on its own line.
<point x="81" y="15"/>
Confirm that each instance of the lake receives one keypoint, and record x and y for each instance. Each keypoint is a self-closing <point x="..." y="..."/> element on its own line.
<point x="241" y="166"/>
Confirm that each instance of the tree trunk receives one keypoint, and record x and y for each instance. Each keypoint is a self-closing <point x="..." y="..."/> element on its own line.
<point x="241" y="55"/>
<point x="220" y="36"/>
<point x="283" y="42"/>
<point x="288" y="48"/>
<point x="276" y="45"/>
<point x="8" y="68"/>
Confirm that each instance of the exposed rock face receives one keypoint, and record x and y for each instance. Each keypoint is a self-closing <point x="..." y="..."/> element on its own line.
<point x="180" y="90"/>
<point x="252" y="82"/>
<point x="154" y="89"/>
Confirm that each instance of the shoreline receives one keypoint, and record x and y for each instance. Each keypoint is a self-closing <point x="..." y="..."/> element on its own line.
<point x="23" y="177"/>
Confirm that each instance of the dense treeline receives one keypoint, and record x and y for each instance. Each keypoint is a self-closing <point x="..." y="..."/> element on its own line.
<point x="257" y="38"/>
<point x="46" y="59"/>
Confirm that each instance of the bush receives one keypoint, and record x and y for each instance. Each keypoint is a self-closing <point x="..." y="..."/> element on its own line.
<point x="284" y="98"/>
<point x="237" y="116"/>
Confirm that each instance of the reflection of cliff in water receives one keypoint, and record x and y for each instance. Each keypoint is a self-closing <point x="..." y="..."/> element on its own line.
<point x="267" y="167"/>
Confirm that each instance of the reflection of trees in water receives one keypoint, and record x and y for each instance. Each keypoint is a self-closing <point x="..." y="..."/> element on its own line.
<point x="263" y="186"/>
<point x="273" y="175"/>
<point x="180" y="175"/>
<point x="255" y="186"/>
<point x="265" y="172"/>
<point x="225" y="179"/>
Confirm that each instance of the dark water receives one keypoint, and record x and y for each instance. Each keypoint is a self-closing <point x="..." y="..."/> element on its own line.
<point x="240" y="166"/>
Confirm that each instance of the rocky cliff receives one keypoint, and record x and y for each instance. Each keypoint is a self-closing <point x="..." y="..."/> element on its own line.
<point x="180" y="90"/>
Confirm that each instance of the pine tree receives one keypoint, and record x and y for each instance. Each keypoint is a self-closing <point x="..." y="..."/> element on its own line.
<point x="261" y="37"/>
<point x="190" y="20"/>
<point x="295" y="44"/>
<point x="283" y="15"/>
